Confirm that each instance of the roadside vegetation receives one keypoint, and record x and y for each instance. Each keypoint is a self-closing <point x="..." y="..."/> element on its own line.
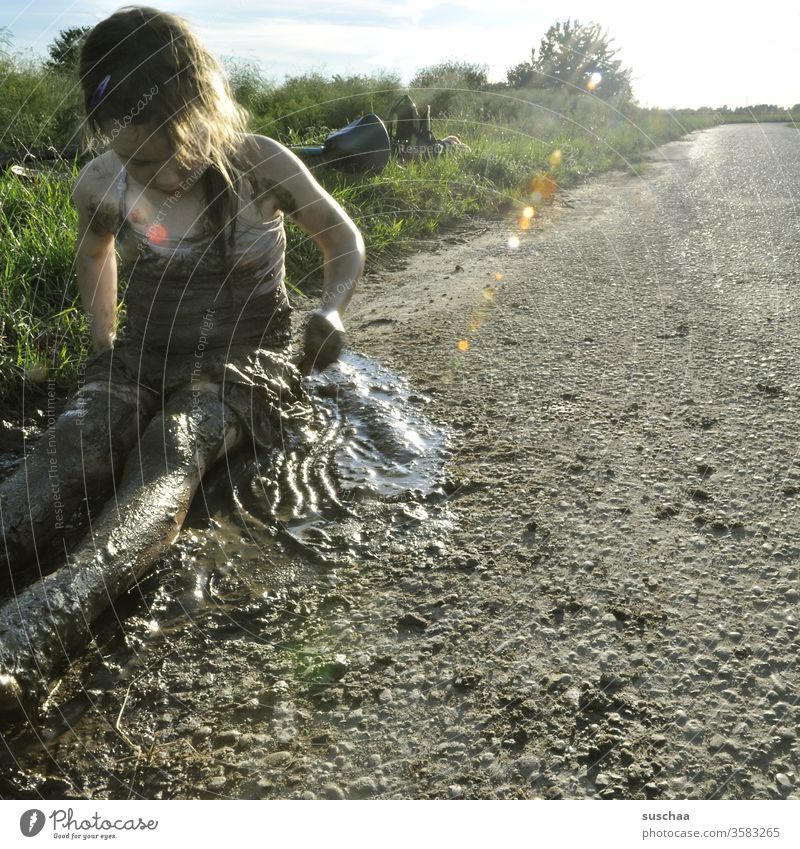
<point x="550" y="125"/>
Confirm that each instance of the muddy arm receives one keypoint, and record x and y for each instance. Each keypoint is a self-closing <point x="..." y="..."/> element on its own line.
<point x="279" y="173"/>
<point x="95" y="259"/>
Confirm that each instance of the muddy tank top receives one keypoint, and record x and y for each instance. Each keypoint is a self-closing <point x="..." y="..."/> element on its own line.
<point x="180" y="290"/>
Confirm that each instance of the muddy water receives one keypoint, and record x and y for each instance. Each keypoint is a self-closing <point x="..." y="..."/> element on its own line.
<point x="260" y="557"/>
<point x="264" y="522"/>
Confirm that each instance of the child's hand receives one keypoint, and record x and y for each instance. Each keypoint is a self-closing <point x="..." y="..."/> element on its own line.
<point x="324" y="340"/>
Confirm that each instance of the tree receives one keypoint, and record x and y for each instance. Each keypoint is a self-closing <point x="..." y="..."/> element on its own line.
<point x="523" y="74"/>
<point x="576" y="55"/>
<point x="65" y="49"/>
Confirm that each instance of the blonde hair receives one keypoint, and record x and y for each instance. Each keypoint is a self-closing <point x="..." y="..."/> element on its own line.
<point x="141" y="66"/>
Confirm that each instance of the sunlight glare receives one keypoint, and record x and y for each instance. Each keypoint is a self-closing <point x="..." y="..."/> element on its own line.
<point x="157" y="233"/>
<point x="544" y="185"/>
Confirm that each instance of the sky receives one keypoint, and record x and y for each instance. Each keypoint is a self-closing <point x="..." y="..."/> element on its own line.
<point x="682" y="54"/>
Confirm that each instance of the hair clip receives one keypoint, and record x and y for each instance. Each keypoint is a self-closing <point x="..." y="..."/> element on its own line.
<point x="100" y="91"/>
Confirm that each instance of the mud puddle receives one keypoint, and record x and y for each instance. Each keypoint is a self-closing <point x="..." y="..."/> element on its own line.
<point x="374" y="446"/>
<point x="247" y="594"/>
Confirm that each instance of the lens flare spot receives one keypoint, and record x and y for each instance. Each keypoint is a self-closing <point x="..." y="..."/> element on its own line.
<point x="524" y="223"/>
<point x="157" y="233"/>
<point x="498" y="276"/>
<point x="594" y="81"/>
<point x="463" y="345"/>
<point x="529" y="212"/>
<point x="489" y="294"/>
<point x="555" y="159"/>
<point x="513" y="242"/>
<point x="544" y="185"/>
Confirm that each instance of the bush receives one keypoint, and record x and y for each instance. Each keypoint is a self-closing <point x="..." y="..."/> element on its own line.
<point x="451" y="75"/>
<point x="450" y="88"/>
<point x="37" y="107"/>
<point x="308" y="106"/>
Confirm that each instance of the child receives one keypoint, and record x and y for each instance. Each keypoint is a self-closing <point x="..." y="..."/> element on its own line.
<point x="194" y="206"/>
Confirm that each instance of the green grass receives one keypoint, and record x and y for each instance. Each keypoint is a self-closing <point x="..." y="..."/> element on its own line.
<point x="43" y="331"/>
<point x="511" y="134"/>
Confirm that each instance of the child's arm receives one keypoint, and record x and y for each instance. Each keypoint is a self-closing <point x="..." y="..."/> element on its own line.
<point x="95" y="260"/>
<point x="283" y="176"/>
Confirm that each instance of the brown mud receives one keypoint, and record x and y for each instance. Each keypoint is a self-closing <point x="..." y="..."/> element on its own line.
<point x="598" y="595"/>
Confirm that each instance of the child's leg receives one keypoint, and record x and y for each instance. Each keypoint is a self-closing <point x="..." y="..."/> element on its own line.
<point x="162" y="473"/>
<point x="75" y="458"/>
<point x="44" y="626"/>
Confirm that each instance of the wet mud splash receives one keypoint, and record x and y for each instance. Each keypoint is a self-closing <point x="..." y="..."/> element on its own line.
<point x="283" y="517"/>
<point x="258" y="574"/>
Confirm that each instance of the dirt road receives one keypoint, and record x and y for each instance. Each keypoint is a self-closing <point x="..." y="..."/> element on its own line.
<point x="605" y="602"/>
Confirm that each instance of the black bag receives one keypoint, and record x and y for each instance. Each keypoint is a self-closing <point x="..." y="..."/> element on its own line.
<point x="363" y="145"/>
